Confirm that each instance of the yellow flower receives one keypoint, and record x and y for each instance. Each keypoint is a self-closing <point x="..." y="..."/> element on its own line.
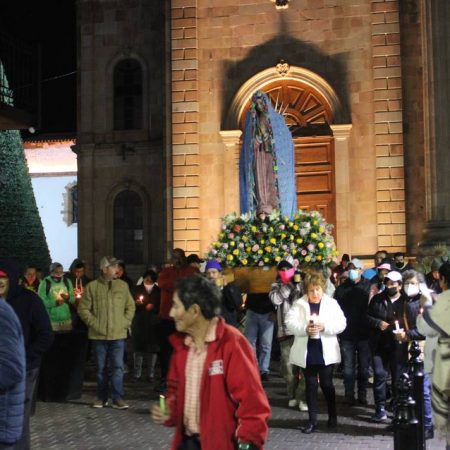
<point x="230" y="257"/>
<point x="268" y="249"/>
<point x="313" y="236"/>
<point x="260" y="252"/>
<point x="248" y="249"/>
<point x="291" y="237"/>
<point x="291" y="224"/>
<point x="245" y="238"/>
<point x="277" y="258"/>
<point x="254" y="229"/>
<point x="307" y="258"/>
<point x="319" y="258"/>
<point x="217" y="244"/>
<point x="295" y="227"/>
<point x="299" y="240"/>
<point x="244" y="262"/>
<point x="235" y="252"/>
<point x="322" y="229"/>
<point x="266" y="260"/>
<point x="293" y="252"/>
<point x="221" y="235"/>
<point x="271" y="229"/>
<point x="262" y="241"/>
<point x="283" y="235"/>
<point x="232" y="244"/>
<point x="320" y="245"/>
<point x="315" y="222"/>
<point x="273" y="241"/>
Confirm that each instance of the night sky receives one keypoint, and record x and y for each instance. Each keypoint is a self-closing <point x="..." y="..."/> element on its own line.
<point x="51" y="23"/>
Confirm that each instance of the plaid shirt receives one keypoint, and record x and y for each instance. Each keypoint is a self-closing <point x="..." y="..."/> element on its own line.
<point x="194" y="371"/>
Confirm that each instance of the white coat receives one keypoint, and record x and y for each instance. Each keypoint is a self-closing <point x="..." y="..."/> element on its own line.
<point x="333" y="319"/>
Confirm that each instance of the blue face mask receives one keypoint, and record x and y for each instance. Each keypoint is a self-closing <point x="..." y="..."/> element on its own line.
<point x="353" y="275"/>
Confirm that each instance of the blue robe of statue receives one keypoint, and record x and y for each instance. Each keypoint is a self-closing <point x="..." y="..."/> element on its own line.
<point x="266" y="167"/>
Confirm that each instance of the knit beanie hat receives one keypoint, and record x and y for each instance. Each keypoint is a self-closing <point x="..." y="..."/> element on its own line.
<point x="213" y="264"/>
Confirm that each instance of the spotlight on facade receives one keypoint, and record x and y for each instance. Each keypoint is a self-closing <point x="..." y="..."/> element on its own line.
<point x="281" y="4"/>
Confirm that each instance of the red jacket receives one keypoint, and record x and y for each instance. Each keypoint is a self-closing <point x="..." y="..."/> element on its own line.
<point x="166" y="281"/>
<point x="233" y="404"/>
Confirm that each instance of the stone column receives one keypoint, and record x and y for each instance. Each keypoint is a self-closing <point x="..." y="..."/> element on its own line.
<point x="231" y="140"/>
<point x="437" y="119"/>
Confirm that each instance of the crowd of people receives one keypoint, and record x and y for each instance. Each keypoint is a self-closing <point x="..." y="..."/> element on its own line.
<point x="213" y="344"/>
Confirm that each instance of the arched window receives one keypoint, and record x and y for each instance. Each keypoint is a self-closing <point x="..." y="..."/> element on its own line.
<point x="128" y="95"/>
<point x="128" y="227"/>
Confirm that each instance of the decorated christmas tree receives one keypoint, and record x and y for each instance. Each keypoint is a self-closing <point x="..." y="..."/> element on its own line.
<point x="21" y="233"/>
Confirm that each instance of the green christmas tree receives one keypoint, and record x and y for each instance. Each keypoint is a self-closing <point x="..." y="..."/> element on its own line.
<point x="21" y="233"/>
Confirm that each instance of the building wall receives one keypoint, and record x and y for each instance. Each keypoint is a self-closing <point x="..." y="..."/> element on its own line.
<point x="217" y="45"/>
<point x="113" y="160"/>
<point x="53" y="169"/>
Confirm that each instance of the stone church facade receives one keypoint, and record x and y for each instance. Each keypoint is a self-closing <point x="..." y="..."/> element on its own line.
<point x="164" y="87"/>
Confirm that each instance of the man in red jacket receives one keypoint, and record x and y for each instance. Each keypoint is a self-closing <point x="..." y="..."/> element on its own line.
<point x="166" y="282"/>
<point x="215" y="398"/>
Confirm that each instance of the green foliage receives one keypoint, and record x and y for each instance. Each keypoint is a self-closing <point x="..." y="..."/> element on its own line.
<point x="21" y="233"/>
<point x="247" y="240"/>
<point x="440" y="253"/>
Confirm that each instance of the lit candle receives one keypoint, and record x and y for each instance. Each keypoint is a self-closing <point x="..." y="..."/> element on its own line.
<point x="397" y="327"/>
<point x="421" y="311"/>
<point x="314" y="318"/>
<point x="162" y="404"/>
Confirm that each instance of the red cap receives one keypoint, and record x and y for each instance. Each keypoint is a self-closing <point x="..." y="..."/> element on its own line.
<point x="3" y="274"/>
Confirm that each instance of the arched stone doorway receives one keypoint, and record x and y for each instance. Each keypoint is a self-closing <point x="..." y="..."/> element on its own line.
<point x="310" y="107"/>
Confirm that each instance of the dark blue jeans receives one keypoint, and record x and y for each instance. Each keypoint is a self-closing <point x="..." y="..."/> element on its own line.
<point x="350" y="351"/>
<point x="111" y="352"/>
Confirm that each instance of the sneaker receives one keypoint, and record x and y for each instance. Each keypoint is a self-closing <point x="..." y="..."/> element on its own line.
<point x="380" y="416"/>
<point x="99" y="404"/>
<point x="119" y="404"/>
<point x="303" y="406"/>
<point x="292" y="403"/>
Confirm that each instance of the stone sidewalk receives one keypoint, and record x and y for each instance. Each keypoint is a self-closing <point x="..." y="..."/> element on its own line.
<point x="75" y="425"/>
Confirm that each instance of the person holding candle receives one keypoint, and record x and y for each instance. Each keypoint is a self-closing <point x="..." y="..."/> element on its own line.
<point x="215" y="399"/>
<point x="145" y="325"/>
<point x="315" y="320"/>
<point x="389" y="321"/>
<point x="286" y="289"/>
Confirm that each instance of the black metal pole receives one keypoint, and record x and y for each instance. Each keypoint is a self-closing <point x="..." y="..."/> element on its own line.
<point x="406" y="425"/>
<point x="417" y="375"/>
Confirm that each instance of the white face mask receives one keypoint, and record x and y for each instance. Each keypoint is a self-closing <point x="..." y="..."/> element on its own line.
<point x="412" y="290"/>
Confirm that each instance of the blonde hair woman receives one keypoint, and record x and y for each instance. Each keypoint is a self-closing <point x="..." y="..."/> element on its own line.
<point x="315" y="320"/>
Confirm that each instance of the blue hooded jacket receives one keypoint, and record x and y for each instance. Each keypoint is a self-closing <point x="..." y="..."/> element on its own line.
<point x="12" y="375"/>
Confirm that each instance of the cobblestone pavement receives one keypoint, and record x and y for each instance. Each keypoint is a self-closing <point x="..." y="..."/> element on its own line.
<point x="75" y="425"/>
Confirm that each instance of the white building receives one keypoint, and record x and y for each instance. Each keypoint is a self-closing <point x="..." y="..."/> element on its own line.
<point x="53" y="170"/>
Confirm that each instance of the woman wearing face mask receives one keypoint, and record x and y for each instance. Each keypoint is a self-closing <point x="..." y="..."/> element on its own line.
<point x="286" y="289"/>
<point x="392" y="321"/>
<point x="144" y="328"/>
<point x="315" y="320"/>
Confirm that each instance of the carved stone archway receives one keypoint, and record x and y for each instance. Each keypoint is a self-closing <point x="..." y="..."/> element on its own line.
<point x="314" y="95"/>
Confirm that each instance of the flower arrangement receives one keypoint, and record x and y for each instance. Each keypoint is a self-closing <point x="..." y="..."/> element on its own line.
<point x="247" y="240"/>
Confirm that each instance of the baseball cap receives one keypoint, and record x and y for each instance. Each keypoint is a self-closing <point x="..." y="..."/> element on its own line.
<point x="54" y="266"/>
<point x="357" y="263"/>
<point x="107" y="261"/>
<point x="394" y="276"/>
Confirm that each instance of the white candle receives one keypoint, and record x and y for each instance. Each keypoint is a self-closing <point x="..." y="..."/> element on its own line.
<point x="314" y="318"/>
<point x="397" y="327"/>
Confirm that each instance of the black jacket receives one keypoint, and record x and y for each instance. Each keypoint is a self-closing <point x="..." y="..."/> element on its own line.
<point x="353" y="300"/>
<point x="29" y="308"/>
<point x="231" y="304"/>
<point x="382" y="309"/>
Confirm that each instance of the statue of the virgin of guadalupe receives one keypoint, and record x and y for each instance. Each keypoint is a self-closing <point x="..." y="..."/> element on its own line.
<point x="266" y="167"/>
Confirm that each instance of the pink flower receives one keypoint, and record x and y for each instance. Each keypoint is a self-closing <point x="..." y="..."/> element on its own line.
<point x="241" y="245"/>
<point x="255" y="248"/>
<point x="282" y="226"/>
<point x="304" y="252"/>
<point x="261" y="263"/>
<point x="225" y="245"/>
<point x="230" y="235"/>
<point x="284" y="247"/>
<point x="311" y="247"/>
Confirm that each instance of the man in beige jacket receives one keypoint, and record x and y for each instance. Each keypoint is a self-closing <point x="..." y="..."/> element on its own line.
<point x="107" y="309"/>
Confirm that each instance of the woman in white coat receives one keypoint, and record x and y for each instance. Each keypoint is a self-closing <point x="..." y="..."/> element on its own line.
<point x="315" y="320"/>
